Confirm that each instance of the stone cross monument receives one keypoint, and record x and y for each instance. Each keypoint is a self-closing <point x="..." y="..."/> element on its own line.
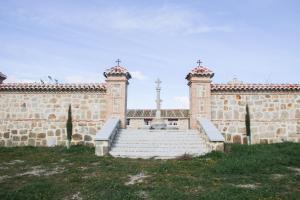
<point x="158" y="122"/>
<point x="158" y="100"/>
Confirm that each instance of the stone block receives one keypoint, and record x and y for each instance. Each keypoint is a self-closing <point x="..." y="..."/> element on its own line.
<point x="24" y="138"/>
<point x="41" y="135"/>
<point x="263" y="141"/>
<point x="31" y="142"/>
<point x="53" y="100"/>
<point x="16" y="138"/>
<point x="280" y="131"/>
<point x="14" y="132"/>
<point x="52" y="117"/>
<point x="297" y="115"/>
<point x="228" y="137"/>
<point x="6" y="135"/>
<point x="61" y="143"/>
<point x="89" y="144"/>
<point x="237" y="139"/>
<point x="88" y="138"/>
<point x="44" y="143"/>
<point x="92" y="131"/>
<point x="32" y="135"/>
<point x="50" y="133"/>
<point x="23" y="132"/>
<point x="77" y="137"/>
<point x="2" y="143"/>
<point x="57" y="132"/>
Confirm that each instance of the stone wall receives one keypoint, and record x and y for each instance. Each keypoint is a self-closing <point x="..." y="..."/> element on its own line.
<point x="39" y="118"/>
<point x="275" y="117"/>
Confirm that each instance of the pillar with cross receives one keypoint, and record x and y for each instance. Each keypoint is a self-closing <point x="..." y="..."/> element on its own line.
<point x="158" y="123"/>
<point x="200" y="94"/>
<point x="158" y="100"/>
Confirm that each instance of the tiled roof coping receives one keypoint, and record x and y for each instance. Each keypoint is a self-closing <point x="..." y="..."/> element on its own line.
<point x="39" y="87"/>
<point x="165" y="113"/>
<point x="200" y="71"/>
<point x="254" y="87"/>
<point x="117" y="71"/>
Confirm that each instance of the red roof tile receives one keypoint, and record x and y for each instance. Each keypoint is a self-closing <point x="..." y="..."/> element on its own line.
<point x="39" y="87"/>
<point x="254" y="87"/>
<point x="117" y="71"/>
<point x="200" y="71"/>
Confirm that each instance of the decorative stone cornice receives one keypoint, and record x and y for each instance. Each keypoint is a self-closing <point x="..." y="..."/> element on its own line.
<point x="200" y="71"/>
<point x="39" y="87"/>
<point x="117" y="71"/>
<point x="255" y="87"/>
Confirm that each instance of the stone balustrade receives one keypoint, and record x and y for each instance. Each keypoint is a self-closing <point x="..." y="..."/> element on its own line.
<point x="214" y="139"/>
<point x="106" y="135"/>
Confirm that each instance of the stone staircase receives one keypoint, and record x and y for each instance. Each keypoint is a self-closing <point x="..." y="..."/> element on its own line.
<point x="159" y="144"/>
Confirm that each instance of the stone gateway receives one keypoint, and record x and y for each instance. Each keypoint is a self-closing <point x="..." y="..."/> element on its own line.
<point x="35" y="114"/>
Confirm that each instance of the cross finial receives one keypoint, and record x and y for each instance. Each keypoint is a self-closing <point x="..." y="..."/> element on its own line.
<point x="118" y="61"/>
<point x="158" y="82"/>
<point x="199" y="63"/>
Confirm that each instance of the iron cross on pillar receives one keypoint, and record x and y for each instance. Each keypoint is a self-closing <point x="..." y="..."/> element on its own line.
<point x="118" y="62"/>
<point x="199" y="63"/>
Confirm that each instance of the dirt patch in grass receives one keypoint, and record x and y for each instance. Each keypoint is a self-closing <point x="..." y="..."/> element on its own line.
<point x="247" y="186"/>
<point x="40" y="171"/>
<point x="277" y="176"/>
<point x="295" y="169"/>
<point x="13" y="162"/>
<point x="143" y="195"/>
<point x="3" y="178"/>
<point x="138" y="178"/>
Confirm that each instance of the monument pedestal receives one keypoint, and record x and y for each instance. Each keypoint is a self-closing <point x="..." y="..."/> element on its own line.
<point x="158" y="124"/>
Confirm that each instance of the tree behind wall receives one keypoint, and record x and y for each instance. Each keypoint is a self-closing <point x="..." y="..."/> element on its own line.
<point x="69" y="127"/>
<point x="248" y="124"/>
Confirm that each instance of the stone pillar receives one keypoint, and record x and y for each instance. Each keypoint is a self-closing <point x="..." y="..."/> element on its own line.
<point x="117" y="83"/>
<point x="2" y="78"/>
<point x="199" y="82"/>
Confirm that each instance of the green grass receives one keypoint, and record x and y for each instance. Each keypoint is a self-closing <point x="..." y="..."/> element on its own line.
<point x="243" y="172"/>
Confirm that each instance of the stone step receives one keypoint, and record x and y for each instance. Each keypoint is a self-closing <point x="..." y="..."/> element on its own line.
<point x="151" y="144"/>
<point x="160" y="144"/>
<point x="158" y="140"/>
<point x="145" y="155"/>
<point x="157" y="152"/>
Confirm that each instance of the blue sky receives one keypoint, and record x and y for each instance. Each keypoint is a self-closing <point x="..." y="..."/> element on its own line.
<point x="76" y="40"/>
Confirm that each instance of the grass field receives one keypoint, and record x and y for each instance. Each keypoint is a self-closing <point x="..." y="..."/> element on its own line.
<point x="243" y="172"/>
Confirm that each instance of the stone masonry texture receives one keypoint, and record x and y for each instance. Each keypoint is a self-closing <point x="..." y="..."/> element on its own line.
<point x="275" y="116"/>
<point x="39" y="118"/>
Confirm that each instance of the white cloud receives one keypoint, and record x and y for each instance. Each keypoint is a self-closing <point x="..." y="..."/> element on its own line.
<point x="182" y="101"/>
<point x="138" y="75"/>
<point x="160" y="19"/>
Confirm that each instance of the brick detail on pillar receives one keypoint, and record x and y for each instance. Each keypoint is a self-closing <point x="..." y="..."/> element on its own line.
<point x="199" y="81"/>
<point x="117" y="82"/>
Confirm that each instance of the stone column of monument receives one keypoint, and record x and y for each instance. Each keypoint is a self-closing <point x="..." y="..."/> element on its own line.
<point x="2" y="78"/>
<point x="158" y="100"/>
<point x="199" y="81"/>
<point x="117" y="82"/>
<point x="158" y="122"/>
